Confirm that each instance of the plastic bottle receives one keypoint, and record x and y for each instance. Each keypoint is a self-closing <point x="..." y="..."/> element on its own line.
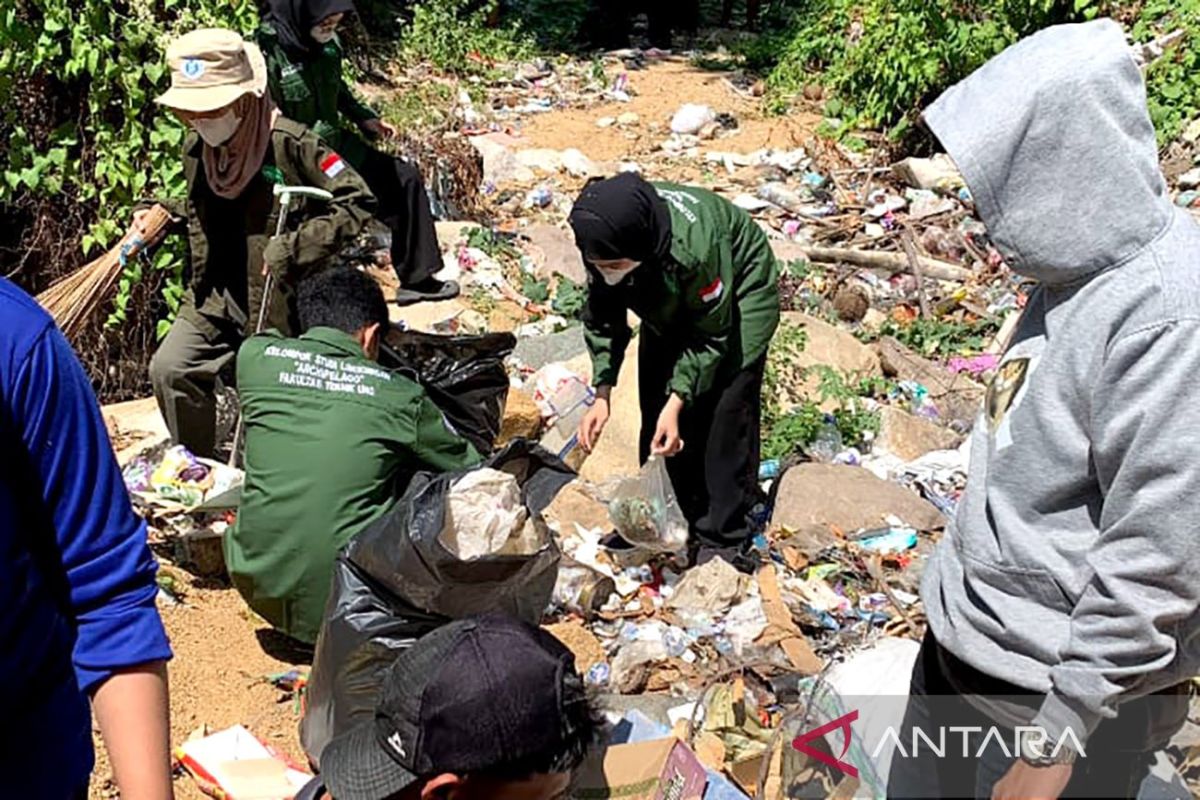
<point x="828" y="443"/>
<point x="676" y="642"/>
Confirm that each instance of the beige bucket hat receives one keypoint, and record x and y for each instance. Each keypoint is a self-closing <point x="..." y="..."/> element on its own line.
<point x="211" y="68"/>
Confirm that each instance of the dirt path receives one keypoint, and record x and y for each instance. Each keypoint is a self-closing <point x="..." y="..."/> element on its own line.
<point x="222" y="655"/>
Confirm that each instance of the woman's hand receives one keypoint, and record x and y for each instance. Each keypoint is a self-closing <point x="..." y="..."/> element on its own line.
<point x="139" y="229"/>
<point x="379" y="129"/>
<point x="666" y="440"/>
<point x="593" y="422"/>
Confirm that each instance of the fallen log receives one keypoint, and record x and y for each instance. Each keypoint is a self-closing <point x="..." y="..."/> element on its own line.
<point x="893" y="262"/>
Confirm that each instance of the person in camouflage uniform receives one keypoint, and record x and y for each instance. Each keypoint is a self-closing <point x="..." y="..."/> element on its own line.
<point x="304" y="68"/>
<point x="239" y="146"/>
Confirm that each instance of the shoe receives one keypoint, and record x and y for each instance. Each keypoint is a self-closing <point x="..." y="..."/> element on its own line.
<point x="742" y="559"/>
<point x="429" y="290"/>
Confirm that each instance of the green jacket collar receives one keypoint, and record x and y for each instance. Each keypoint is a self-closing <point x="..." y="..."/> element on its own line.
<point x="338" y="340"/>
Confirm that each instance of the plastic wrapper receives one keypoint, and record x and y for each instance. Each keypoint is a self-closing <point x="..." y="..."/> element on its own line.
<point x="181" y="477"/>
<point x="396" y="581"/>
<point x="486" y="517"/>
<point x="464" y="376"/>
<point x="646" y="512"/>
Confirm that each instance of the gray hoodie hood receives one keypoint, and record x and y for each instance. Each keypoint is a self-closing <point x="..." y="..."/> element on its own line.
<point x="1055" y="142"/>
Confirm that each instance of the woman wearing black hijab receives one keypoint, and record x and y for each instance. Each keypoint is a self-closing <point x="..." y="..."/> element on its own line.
<point x="701" y="276"/>
<point x="304" y="64"/>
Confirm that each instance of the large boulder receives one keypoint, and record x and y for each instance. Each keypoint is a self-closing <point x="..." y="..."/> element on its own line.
<point x="616" y="454"/>
<point x="958" y="398"/>
<point x="815" y="498"/>
<point x="500" y="163"/>
<point x="909" y="437"/>
<point x="826" y="345"/>
<point x="554" y="253"/>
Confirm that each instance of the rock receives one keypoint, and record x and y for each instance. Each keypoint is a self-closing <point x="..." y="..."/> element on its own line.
<point x="1191" y="133"/>
<point x="874" y="319"/>
<point x="714" y="586"/>
<point x="909" y="437"/>
<point x="814" y="498"/>
<point x="577" y="164"/>
<point x="451" y="233"/>
<point x="690" y="118"/>
<point x="522" y="418"/>
<point x="628" y="118"/>
<point x="1190" y="179"/>
<point x="938" y="172"/>
<point x="574" y="505"/>
<point x="851" y="303"/>
<point x="541" y="159"/>
<point x="538" y="351"/>
<point x="500" y="164"/>
<point x="957" y="397"/>
<point x="554" y="253"/>
<point x="616" y="454"/>
<point x="834" y="347"/>
<point x="606" y="122"/>
<point x="813" y="92"/>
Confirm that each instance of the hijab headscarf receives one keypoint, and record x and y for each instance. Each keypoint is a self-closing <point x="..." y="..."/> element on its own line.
<point x="621" y="217"/>
<point x="230" y="167"/>
<point x="294" y="19"/>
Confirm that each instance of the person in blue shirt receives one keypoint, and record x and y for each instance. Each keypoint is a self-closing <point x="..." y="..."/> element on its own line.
<point x="78" y="619"/>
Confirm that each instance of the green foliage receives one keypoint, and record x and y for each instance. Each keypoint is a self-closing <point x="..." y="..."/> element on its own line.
<point x="492" y="243"/>
<point x="570" y="299"/>
<point x="1173" y="83"/>
<point x="420" y="106"/>
<point x="556" y="25"/>
<point x="534" y="290"/>
<point x="789" y="426"/>
<point x="884" y="60"/>
<point x="936" y="337"/>
<point x="77" y="82"/>
<point x="454" y="36"/>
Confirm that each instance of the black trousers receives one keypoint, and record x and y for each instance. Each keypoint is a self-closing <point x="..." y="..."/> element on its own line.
<point x="404" y="208"/>
<point x="1119" y="753"/>
<point x="716" y="474"/>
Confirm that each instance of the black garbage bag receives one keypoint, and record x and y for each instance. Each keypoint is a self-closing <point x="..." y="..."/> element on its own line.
<point x="464" y="376"/>
<point x="395" y="582"/>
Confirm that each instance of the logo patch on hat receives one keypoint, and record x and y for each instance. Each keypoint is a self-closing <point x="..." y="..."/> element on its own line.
<point x="396" y="743"/>
<point x="333" y="165"/>
<point x="713" y="291"/>
<point x="193" y="68"/>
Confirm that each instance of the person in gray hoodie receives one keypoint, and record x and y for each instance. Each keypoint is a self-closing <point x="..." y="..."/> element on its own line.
<point x="1064" y="595"/>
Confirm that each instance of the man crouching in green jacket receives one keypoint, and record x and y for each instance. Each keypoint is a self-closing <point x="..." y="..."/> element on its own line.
<point x="701" y="276"/>
<point x="332" y="440"/>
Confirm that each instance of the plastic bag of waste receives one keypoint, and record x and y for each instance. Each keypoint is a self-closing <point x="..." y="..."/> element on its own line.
<point x="464" y="376"/>
<point x="646" y="512"/>
<point x="397" y="580"/>
<point x="486" y="517"/>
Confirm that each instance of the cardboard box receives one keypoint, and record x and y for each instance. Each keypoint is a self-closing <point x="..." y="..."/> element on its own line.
<point x="663" y="769"/>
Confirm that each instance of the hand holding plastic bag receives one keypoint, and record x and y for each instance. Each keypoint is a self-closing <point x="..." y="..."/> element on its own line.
<point x="646" y="511"/>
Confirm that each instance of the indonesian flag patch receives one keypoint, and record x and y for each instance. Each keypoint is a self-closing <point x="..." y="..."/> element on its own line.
<point x="713" y="291"/>
<point x="333" y="165"/>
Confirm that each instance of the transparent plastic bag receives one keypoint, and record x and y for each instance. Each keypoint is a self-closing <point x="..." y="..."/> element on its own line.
<point x="646" y="512"/>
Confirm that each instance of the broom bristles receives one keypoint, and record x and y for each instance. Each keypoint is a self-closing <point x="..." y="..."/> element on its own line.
<point x="73" y="299"/>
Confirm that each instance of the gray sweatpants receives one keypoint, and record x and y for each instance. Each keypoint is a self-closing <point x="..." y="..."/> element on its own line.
<point x="184" y="374"/>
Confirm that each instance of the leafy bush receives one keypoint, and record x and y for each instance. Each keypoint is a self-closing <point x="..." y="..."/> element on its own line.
<point x="884" y="60"/>
<point x="84" y="141"/>
<point x="454" y="36"/>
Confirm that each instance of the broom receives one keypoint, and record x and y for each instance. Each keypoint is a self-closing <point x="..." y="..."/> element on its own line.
<point x="73" y="299"/>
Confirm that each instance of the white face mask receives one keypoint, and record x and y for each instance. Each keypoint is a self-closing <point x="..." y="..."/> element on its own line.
<point x="322" y="35"/>
<point x="614" y="276"/>
<point x="216" y="131"/>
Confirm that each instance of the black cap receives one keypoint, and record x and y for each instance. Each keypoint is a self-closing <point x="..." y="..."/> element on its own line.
<point x="474" y="695"/>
